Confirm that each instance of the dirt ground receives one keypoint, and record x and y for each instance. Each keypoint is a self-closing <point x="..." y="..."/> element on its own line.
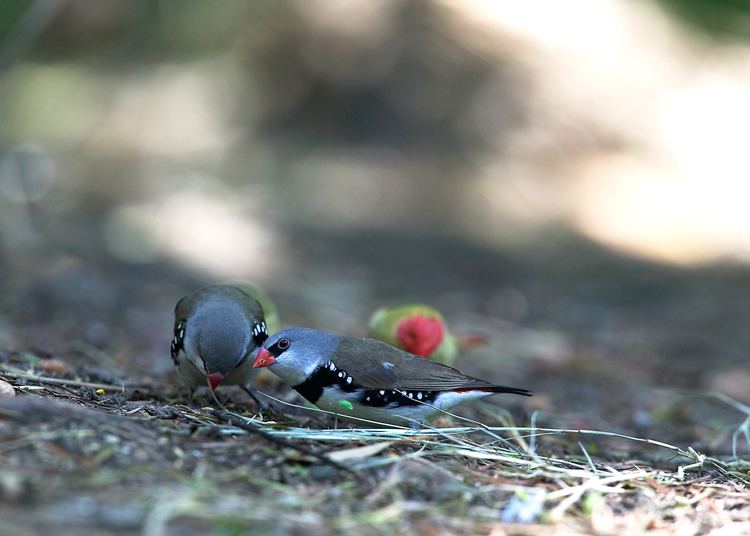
<point x="98" y="438"/>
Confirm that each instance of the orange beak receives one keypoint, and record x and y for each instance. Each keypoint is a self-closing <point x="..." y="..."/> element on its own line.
<point x="215" y="379"/>
<point x="264" y="359"/>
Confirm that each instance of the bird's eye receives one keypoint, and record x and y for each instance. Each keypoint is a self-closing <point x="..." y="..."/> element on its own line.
<point x="283" y="344"/>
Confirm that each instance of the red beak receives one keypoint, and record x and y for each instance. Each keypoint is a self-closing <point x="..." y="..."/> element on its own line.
<point x="215" y="379"/>
<point x="264" y="359"/>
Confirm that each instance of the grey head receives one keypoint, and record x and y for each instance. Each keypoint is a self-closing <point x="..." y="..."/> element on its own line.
<point x="297" y="352"/>
<point x="223" y="326"/>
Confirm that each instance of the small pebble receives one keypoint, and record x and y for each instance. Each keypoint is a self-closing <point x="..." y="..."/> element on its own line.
<point x="6" y="389"/>
<point x="53" y="365"/>
<point x="88" y="393"/>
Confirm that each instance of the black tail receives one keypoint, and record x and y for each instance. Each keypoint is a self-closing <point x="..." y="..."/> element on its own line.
<point x="511" y="390"/>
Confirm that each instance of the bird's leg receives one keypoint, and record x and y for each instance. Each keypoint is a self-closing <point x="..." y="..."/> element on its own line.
<point x="190" y="402"/>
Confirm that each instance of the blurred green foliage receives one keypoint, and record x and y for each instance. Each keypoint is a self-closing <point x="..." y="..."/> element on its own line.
<point x="134" y="30"/>
<point x="720" y="19"/>
<point x="10" y="12"/>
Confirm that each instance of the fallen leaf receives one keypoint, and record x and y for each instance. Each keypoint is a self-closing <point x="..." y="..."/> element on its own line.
<point x="358" y="452"/>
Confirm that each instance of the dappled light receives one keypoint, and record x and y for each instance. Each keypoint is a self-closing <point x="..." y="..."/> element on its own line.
<point x="595" y="109"/>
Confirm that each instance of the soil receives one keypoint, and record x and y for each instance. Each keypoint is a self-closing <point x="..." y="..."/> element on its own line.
<point x="99" y="438"/>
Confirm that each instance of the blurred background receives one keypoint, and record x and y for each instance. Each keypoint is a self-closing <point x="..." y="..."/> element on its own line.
<point x="569" y="179"/>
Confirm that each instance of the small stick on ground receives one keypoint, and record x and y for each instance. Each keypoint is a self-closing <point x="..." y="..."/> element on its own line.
<point x="74" y="383"/>
<point x="237" y="423"/>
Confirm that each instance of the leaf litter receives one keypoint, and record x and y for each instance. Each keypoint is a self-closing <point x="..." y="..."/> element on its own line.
<point x="132" y="459"/>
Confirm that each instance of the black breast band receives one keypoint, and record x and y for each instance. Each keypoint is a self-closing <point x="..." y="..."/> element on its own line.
<point x="328" y="375"/>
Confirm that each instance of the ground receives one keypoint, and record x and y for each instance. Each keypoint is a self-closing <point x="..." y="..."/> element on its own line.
<point x="99" y="438"/>
<point x="104" y="442"/>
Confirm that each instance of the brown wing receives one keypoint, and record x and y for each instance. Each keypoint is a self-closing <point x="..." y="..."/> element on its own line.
<point x="377" y="365"/>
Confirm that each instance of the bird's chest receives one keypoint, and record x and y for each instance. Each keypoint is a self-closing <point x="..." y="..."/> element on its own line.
<point x="192" y="374"/>
<point x="326" y="377"/>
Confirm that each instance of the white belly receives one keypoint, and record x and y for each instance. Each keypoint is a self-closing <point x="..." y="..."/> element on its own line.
<point x="408" y="416"/>
<point x="194" y="376"/>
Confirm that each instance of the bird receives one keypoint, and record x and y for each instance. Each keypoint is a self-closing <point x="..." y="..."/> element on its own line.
<point x="419" y="329"/>
<point x="270" y="312"/>
<point x="369" y="379"/>
<point x="217" y="332"/>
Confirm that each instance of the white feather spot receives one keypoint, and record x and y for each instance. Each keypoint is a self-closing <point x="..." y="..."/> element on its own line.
<point x="411" y="395"/>
<point x="341" y="374"/>
<point x="332" y="366"/>
<point x="349" y="379"/>
<point x="419" y="396"/>
<point x="382" y="393"/>
<point x="368" y="398"/>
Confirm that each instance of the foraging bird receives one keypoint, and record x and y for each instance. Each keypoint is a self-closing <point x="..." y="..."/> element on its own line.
<point x="380" y="383"/>
<point x="270" y="313"/>
<point x="419" y="329"/>
<point x="217" y="332"/>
